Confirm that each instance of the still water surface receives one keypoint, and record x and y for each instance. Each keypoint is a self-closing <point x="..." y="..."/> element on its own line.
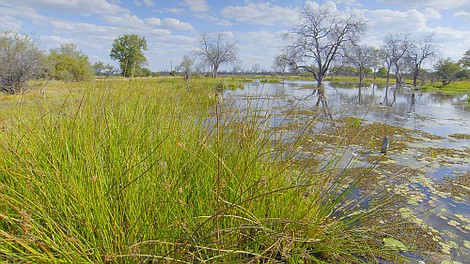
<point x="437" y="114"/>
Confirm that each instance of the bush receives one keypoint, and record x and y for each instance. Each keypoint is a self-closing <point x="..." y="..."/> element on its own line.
<point x="69" y="64"/>
<point x="20" y="60"/>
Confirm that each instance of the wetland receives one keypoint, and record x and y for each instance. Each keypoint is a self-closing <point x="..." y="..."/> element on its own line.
<point x="426" y="169"/>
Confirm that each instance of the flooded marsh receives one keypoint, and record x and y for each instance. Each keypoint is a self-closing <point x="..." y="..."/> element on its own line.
<point x="425" y="172"/>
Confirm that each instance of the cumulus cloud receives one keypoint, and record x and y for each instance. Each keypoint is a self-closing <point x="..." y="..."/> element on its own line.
<point x="125" y="20"/>
<point x="144" y="2"/>
<point x="437" y="4"/>
<point x="153" y="21"/>
<point x="463" y="14"/>
<point x="432" y="13"/>
<point x="261" y="14"/>
<point x="198" y="6"/>
<point x="173" y="23"/>
<point x="83" y="7"/>
<point x="386" y="21"/>
<point x="171" y="10"/>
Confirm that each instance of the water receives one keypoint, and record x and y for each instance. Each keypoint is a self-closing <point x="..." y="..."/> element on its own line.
<point x="438" y="114"/>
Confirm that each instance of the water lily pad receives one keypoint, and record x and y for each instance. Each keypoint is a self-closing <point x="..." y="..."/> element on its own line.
<point x="450" y="262"/>
<point x="466" y="244"/>
<point x="462" y="218"/>
<point x="392" y="243"/>
<point x="453" y="223"/>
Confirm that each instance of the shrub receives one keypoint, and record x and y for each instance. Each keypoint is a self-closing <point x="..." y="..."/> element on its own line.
<point x="20" y="60"/>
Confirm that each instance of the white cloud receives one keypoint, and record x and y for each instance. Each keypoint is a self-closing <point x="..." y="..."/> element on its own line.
<point x="125" y="19"/>
<point x="57" y="40"/>
<point x="261" y="13"/>
<point x="83" y="7"/>
<point x="173" y="23"/>
<point x="9" y="23"/>
<point x="386" y="21"/>
<point x="170" y="10"/>
<point x="432" y="13"/>
<point x="463" y="14"/>
<point x="259" y="47"/>
<point x="448" y="37"/>
<point x="144" y="2"/>
<point x="437" y="4"/>
<point x="198" y="6"/>
<point x="153" y="21"/>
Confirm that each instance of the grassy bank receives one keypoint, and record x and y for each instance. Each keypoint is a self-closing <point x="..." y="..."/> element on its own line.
<point x="120" y="171"/>
<point x="454" y="87"/>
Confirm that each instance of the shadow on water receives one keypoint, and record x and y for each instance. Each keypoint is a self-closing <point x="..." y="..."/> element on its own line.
<point x="441" y="160"/>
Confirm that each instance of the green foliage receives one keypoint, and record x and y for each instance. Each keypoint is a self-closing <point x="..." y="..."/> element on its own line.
<point x="102" y="69"/>
<point x="382" y="72"/>
<point x="446" y="71"/>
<point x="20" y="61"/>
<point x="146" y="72"/>
<point x="463" y="74"/>
<point x="128" y="51"/>
<point x="465" y="61"/>
<point x="67" y="63"/>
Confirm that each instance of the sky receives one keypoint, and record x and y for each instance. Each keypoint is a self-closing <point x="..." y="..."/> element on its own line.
<point x="172" y="28"/>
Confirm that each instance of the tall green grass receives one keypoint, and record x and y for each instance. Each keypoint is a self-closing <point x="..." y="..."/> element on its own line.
<point x="149" y="170"/>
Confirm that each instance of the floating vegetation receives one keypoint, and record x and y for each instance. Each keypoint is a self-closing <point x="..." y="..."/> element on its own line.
<point x="444" y="155"/>
<point x="457" y="187"/>
<point x="460" y="136"/>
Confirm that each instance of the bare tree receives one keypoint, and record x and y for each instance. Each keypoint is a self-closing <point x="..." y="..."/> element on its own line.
<point x="395" y="49"/>
<point x="280" y="63"/>
<point x="186" y="66"/>
<point x="419" y="52"/>
<point x="20" y="61"/>
<point x="377" y="59"/>
<point x="317" y="40"/>
<point x="215" y="51"/>
<point x="256" y="68"/>
<point x="361" y="56"/>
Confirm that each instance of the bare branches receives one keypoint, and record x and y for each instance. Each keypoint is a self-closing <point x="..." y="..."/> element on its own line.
<point x="419" y="52"/>
<point x="215" y="51"/>
<point x="316" y="41"/>
<point x="20" y="60"/>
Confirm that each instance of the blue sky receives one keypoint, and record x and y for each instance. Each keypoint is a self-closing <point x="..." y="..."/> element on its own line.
<point x="173" y="27"/>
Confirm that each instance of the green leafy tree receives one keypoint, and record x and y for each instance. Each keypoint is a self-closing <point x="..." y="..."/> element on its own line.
<point x="446" y="71"/>
<point x="20" y="61"/>
<point x="382" y="72"/>
<point x="68" y="63"/>
<point x="128" y="50"/>
<point x="146" y="72"/>
<point x="465" y="61"/>
<point x="102" y="69"/>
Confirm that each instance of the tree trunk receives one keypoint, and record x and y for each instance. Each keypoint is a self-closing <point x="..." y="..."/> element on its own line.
<point x="388" y="77"/>
<point x="214" y="71"/>
<point x="415" y="76"/>
<point x="319" y="78"/>
<point x="360" y="77"/>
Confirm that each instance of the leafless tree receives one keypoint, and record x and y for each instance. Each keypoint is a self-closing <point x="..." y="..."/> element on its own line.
<point x="377" y="59"/>
<point x="395" y="49"/>
<point x="317" y="40"/>
<point x="419" y="52"/>
<point x="20" y="61"/>
<point x="215" y="51"/>
<point x="280" y="63"/>
<point x="186" y="66"/>
<point x="361" y="56"/>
